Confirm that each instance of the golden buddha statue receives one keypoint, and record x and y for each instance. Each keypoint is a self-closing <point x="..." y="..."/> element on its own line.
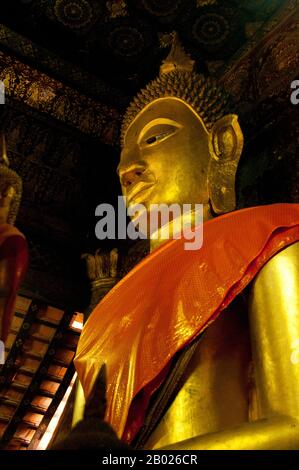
<point x="201" y="347"/>
<point x="13" y="246"/>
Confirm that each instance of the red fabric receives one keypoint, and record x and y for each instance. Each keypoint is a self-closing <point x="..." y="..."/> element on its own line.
<point x="168" y="299"/>
<point x="13" y="248"/>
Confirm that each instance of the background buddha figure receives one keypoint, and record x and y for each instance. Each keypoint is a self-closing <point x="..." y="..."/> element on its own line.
<point x="13" y="246"/>
<point x="198" y="345"/>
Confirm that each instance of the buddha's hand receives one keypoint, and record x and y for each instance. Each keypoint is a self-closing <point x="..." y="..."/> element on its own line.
<point x="101" y="265"/>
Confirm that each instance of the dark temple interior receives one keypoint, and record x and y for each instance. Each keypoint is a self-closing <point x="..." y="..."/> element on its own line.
<point x="70" y="68"/>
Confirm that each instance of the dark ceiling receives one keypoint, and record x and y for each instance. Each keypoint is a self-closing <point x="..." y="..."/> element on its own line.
<point x="121" y="43"/>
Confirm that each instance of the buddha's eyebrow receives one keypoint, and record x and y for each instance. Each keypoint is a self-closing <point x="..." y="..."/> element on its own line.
<point x="158" y="122"/>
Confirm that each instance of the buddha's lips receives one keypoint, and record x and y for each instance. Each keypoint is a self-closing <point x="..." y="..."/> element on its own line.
<point x="137" y="189"/>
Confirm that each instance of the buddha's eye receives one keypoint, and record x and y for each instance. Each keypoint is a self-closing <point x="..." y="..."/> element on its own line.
<point x="157" y="131"/>
<point x="151" y="140"/>
<point x="158" y="137"/>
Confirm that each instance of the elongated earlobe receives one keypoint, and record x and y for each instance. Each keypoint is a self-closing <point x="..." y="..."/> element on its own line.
<point x="225" y="144"/>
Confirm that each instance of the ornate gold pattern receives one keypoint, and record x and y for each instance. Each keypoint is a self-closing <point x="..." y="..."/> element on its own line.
<point x="166" y="39"/>
<point x="204" y="3"/>
<point x="117" y="8"/>
<point x="58" y="100"/>
<point x="9" y="178"/>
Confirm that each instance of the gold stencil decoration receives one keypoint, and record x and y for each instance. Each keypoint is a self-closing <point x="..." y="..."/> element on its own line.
<point x="204" y="3"/>
<point x="117" y="8"/>
<point x="8" y="177"/>
<point x="166" y="39"/>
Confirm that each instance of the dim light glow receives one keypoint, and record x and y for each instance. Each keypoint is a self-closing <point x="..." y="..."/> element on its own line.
<point x="55" y="421"/>
<point x="76" y="322"/>
<point x="77" y="325"/>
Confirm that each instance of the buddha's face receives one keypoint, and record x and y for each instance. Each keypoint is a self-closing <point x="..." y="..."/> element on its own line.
<point x="166" y="156"/>
<point x="6" y="197"/>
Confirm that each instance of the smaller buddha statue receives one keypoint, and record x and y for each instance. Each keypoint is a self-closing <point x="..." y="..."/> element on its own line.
<point x="13" y="245"/>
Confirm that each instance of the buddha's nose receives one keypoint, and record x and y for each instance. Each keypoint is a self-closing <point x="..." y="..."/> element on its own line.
<point x="131" y="174"/>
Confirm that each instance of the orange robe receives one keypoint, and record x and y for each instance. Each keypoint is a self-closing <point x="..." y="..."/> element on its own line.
<point x="168" y="299"/>
<point x="13" y="248"/>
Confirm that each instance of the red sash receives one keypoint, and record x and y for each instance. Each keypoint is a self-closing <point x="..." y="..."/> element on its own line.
<point x="13" y="248"/>
<point x="168" y="299"/>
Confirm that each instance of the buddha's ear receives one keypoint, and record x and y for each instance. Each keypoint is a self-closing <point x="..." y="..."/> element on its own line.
<point x="225" y="145"/>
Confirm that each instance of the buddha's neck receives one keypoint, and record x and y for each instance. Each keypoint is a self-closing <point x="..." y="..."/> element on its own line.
<point x="177" y="225"/>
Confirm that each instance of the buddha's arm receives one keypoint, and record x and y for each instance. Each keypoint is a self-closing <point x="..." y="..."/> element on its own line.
<point x="274" y="323"/>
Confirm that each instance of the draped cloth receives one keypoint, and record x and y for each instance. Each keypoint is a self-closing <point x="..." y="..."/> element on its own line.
<point x="168" y="299"/>
<point x="13" y="249"/>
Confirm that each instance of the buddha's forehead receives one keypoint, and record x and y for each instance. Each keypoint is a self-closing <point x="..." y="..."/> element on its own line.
<point x="168" y="107"/>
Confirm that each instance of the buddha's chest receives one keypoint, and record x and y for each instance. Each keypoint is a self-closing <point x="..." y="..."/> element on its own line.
<point x="215" y="388"/>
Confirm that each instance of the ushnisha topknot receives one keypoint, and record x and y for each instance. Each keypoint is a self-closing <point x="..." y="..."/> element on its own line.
<point x="178" y="79"/>
<point x="8" y="178"/>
